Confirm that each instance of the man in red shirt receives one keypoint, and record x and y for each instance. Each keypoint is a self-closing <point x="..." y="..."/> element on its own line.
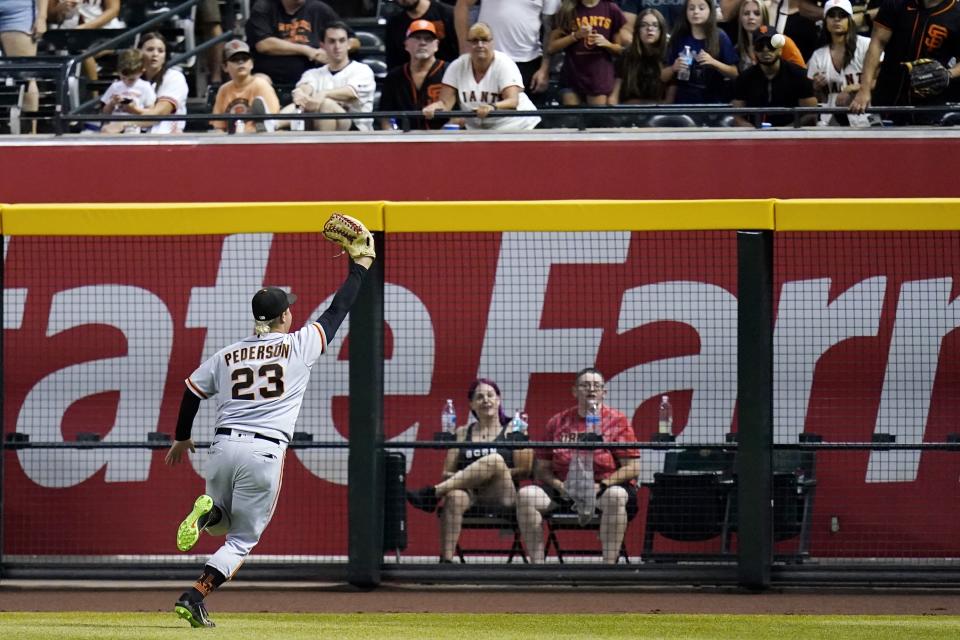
<point x="614" y="471"/>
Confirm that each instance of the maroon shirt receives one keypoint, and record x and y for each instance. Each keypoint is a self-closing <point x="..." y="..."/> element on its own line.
<point x="589" y="70"/>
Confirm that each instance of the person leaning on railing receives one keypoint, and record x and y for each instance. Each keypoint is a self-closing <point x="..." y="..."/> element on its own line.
<point x="484" y="475"/>
<point x="615" y="471"/>
<point x="484" y="80"/>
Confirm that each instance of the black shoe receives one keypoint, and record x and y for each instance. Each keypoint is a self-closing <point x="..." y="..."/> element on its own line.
<point x="259" y="108"/>
<point x="424" y="499"/>
<point x="193" y="612"/>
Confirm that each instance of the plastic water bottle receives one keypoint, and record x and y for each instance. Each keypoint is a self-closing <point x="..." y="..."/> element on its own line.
<point x="518" y="425"/>
<point x="298" y="125"/>
<point x="665" y="423"/>
<point x="239" y="127"/>
<point x="593" y="419"/>
<point x="684" y="74"/>
<point x="448" y="419"/>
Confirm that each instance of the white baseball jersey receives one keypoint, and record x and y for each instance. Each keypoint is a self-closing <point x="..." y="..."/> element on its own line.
<point x="821" y="62"/>
<point x="356" y="75"/>
<point x="502" y="73"/>
<point x="173" y="90"/>
<point x="141" y="93"/>
<point x="516" y="25"/>
<point x="259" y="382"/>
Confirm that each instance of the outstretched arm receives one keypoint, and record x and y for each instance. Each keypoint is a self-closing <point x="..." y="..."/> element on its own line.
<point x="346" y="295"/>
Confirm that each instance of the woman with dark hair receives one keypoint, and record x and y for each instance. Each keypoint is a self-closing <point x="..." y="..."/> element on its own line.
<point x="484" y="474"/>
<point x="836" y="67"/>
<point x="638" y="78"/>
<point x="168" y="83"/>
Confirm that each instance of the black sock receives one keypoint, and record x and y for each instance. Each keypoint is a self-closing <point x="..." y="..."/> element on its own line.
<point x="210" y="519"/>
<point x="209" y="580"/>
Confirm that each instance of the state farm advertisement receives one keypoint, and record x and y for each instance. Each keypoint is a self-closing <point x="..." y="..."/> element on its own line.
<point x="99" y="334"/>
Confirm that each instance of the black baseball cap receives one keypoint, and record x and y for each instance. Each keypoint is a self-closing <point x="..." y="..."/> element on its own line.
<point x="270" y="302"/>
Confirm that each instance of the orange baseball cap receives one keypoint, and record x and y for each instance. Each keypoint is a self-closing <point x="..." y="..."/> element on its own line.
<point x="421" y="25"/>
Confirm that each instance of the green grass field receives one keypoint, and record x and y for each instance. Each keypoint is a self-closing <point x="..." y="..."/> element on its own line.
<point x="285" y="626"/>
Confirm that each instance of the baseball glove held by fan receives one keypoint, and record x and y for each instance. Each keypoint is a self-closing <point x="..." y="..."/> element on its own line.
<point x="350" y="234"/>
<point x="927" y="77"/>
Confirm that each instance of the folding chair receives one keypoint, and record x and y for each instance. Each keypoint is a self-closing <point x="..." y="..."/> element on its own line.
<point x="492" y="518"/>
<point x="569" y="520"/>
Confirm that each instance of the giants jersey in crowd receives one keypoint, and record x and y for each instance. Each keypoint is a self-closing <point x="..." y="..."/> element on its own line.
<point x="566" y="427"/>
<point x="259" y="382"/>
<point x="916" y="32"/>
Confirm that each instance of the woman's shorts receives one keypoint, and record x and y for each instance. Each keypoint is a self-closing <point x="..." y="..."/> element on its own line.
<point x="17" y="15"/>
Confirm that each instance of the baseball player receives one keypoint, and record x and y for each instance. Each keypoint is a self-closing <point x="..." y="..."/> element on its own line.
<point x="903" y="32"/>
<point x="258" y="384"/>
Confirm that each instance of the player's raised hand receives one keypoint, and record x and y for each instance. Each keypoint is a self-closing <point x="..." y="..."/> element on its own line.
<point x="177" y="450"/>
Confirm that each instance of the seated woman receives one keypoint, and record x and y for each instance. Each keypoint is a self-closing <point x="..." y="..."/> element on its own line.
<point x="484" y="475"/>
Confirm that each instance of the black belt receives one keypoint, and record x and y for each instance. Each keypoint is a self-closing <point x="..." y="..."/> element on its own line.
<point x="223" y="431"/>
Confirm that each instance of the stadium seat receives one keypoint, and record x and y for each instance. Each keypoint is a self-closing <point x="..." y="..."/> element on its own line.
<point x="690" y="501"/>
<point x="568" y="520"/>
<point x="503" y="520"/>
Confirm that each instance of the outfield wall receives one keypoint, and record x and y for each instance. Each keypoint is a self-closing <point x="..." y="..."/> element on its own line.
<point x="103" y="319"/>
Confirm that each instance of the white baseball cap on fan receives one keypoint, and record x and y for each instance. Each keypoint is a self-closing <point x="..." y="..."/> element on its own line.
<point x="838" y="4"/>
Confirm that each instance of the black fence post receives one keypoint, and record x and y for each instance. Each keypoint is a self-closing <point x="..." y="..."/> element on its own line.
<point x="365" y="469"/>
<point x="755" y="397"/>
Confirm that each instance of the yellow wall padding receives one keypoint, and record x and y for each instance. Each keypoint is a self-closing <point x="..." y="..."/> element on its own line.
<point x="579" y="215"/>
<point x="868" y="215"/>
<point x="177" y="219"/>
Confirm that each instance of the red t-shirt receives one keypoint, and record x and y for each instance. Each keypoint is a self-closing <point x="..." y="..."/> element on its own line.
<point x="565" y="426"/>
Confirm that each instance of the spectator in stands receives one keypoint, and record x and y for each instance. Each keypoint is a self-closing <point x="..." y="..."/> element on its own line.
<point x="414" y="85"/>
<point x="168" y="83"/>
<point x="395" y="36"/>
<point x="797" y="19"/>
<point x="521" y="29"/>
<point x="22" y="23"/>
<point x="671" y="10"/>
<point x="286" y="37"/>
<point x="482" y="475"/>
<point x="754" y="16"/>
<point x="590" y="33"/>
<point x="836" y="68"/>
<point x="209" y="27"/>
<point x="714" y="60"/>
<point x="129" y="90"/>
<point x="340" y="86"/>
<point x="615" y="471"/>
<point x="484" y="80"/>
<point x="245" y="92"/>
<point x="773" y="82"/>
<point x="87" y="14"/>
<point x="641" y="65"/>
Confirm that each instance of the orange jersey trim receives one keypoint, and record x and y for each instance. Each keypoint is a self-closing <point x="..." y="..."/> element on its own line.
<point x="196" y="390"/>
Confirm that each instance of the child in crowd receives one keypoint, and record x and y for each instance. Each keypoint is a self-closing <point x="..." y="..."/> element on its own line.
<point x="589" y="34"/>
<point x="641" y="65"/>
<point x="245" y="92"/>
<point x="129" y="89"/>
<point x="704" y="77"/>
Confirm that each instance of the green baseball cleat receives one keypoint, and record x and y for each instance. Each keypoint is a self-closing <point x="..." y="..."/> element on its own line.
<point x="193" y="612"/>
<point x="189" y="532"/>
